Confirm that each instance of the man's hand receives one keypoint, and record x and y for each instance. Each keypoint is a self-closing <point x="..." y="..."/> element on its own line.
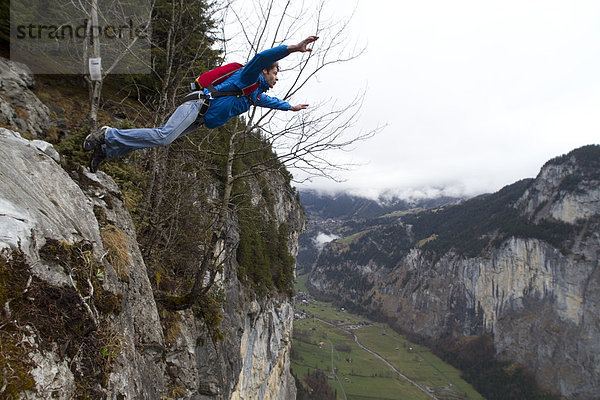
<point x="302" y="47"/>
<point x="299" y="107"/>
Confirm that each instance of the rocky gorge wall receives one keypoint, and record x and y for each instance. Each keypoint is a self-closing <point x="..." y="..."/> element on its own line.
<point x="71" y="260"/>
<point x="540" y="303"/>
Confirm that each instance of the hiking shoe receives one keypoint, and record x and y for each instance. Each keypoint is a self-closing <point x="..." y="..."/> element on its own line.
<point x="98" y="156"/>
<point x="95" y="139"/>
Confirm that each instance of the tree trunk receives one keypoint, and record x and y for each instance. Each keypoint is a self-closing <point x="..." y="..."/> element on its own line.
<point x="95" y="89"/>
<point x="209" y="263"/>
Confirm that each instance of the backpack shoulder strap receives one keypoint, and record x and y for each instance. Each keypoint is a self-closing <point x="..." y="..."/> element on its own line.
<point x="239" y="93"/>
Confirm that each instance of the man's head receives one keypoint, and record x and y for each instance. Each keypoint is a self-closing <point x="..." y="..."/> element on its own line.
<point x="270" y="74"/>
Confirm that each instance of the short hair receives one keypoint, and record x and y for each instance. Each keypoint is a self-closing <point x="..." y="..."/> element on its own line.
<point x="274" y="65"/>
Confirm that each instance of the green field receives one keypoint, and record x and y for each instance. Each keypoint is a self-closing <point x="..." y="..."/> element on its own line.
<point x="350" y="239"/>
<point x="327" y="339"/>
<point x="301" y="283"/>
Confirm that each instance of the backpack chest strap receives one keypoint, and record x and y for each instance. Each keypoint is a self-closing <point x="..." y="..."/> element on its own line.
<point x="239" y="92"/>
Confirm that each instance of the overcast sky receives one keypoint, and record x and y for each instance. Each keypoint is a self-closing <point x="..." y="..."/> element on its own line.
<point x="476" y="94"/>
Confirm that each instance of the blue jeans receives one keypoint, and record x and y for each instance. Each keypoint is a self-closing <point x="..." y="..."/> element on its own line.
<point x="119" y="142"/>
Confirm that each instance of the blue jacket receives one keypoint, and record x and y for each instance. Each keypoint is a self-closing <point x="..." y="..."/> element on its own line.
<point x="223" y="108"/>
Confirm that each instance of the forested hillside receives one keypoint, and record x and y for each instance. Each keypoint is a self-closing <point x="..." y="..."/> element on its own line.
<point x="333" y="215"/>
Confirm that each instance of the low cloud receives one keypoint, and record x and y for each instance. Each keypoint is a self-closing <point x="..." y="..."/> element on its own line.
<point x="322" y="239"/>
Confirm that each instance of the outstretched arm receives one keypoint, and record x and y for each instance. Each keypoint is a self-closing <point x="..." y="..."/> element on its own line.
<point x="302" y="47"/>
<point x="266" y="58"/>
<point x="275" y="103"/>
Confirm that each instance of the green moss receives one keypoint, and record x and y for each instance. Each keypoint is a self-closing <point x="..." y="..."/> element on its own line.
<point x="14" y="370"/>
<point x="56" y="317"/>
<point x="100" y="216"/>
<point x="14" y="364"/>
<point x="206" y="308"/>
<point x="109" y="303"/>
<point x="178" y="302"/>
<point x="70" y="148"/>
<point x="129" y="176"/>
<point x="209" y="310"/>
<point x="171" y="324"/>
<point x="79" y="261"/>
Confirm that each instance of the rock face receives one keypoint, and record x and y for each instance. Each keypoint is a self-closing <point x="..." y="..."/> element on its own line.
<point x="540" y="303"/>
<point x="20" y="109"/>
<point x="565" y="190"/>
<point x="78" y="242"/>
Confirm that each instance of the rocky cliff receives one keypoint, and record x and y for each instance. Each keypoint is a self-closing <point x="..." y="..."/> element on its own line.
<point x="79" y="316"/>
<point x="530" y="275"/>
<point x="20" y="109"/>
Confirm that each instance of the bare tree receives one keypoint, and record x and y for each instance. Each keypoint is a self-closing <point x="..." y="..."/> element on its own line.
<point x="110" y="20"/>
<point x="65" y="38"/>
<point x="117" y="33"/>
<point x="181" y="45"/>
<point x="306" y="141"/>
<point x="303" y="142"/>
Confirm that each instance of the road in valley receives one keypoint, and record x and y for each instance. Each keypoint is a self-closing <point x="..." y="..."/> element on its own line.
<point x="333" y="370"/>
<point x="400" y="374"/>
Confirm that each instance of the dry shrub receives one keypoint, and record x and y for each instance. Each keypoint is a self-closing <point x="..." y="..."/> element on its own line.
<point x="115" y="241"/>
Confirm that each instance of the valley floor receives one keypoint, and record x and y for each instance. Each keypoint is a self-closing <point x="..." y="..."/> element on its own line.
<point x="367" y="360"/>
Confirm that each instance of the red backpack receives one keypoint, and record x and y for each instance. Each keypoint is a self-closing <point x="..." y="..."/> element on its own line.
<point x="219" y="75"/>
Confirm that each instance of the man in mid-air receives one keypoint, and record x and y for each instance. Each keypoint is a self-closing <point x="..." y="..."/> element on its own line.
<point x="203" y="108"/>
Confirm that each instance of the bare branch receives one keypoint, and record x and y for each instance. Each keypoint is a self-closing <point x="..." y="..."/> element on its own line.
<point x="267" y="142"/>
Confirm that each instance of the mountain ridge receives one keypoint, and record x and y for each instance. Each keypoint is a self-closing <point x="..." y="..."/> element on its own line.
<point x="328" y="214"/>
<point x="519" y="261"/>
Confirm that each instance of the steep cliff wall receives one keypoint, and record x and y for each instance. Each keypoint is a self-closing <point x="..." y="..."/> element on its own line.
<point x="539" y="302"/>
<point x="79" y="315"/>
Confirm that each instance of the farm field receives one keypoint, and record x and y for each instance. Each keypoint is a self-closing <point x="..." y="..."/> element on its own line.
<point x="334" y="342"/>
